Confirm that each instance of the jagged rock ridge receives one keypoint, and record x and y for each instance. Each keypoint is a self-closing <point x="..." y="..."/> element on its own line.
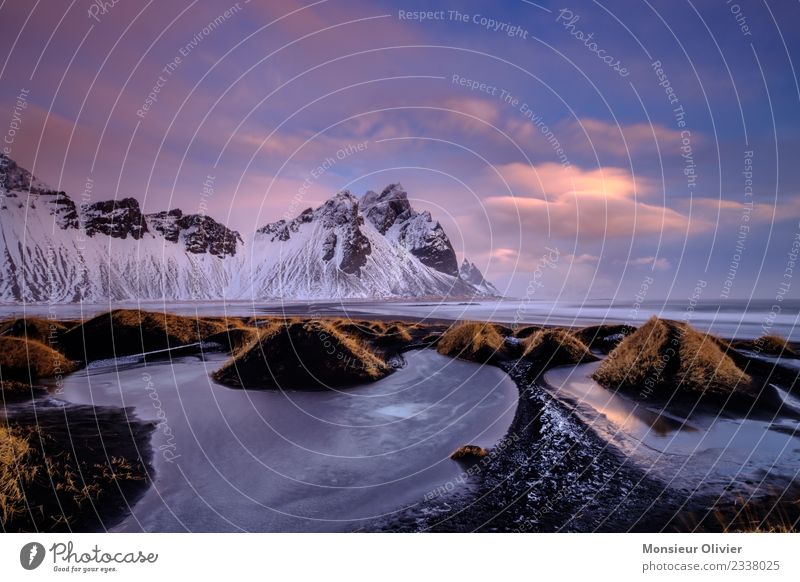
<point x="391" y="213"/>
<point x="198" y="233"/>
<point x="472" y="275"/>
<point x="378" y="246"/>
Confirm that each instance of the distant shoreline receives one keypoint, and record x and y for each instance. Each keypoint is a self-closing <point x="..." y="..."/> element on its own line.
<point x="728" y="320"/>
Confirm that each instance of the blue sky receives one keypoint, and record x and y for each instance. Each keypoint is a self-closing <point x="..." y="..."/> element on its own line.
<point x="266" y="94"/>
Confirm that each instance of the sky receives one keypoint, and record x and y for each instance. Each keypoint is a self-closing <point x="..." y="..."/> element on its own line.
<point x="574" y="150"/>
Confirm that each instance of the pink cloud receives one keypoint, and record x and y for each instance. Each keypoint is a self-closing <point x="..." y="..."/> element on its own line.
<point x="572" y="203"/>
<point x="730" y="211"/>
<point x="622" y="140"/>
<point x="658" y="264"/>
<point x="586" y="136"/>
<point x="582" y="259"/>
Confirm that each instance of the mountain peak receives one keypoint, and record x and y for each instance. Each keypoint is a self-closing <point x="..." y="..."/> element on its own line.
<point x="198" y="233"/>
<point x="470" y="273"/>
<point x="115" y="218"/>
<point x="385" y="209"/>
<point x="341" y="209"/>
<point x="347" y="247"/>
<point x="391" y="213"/>
<point x="378" y="245"/>
<point x="334" y="226"/>
<point x="392" y="191"/>
<point x="18" y="179"/>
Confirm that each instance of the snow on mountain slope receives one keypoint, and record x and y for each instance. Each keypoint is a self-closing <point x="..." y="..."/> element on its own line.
<point x="53" y="251"/>
<point x="391" y="214"/>
<point x="333" y="252"/>
<point x="470" y="273"/>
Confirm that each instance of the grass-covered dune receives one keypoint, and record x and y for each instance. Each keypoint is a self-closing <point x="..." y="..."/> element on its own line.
<point x="489" y="343"/>
<point x="47" y="331"/>
<point x="268" y="351"/>
<point x="393" y="335"/>
<point x="770" y="345"/>
<point x="663" y="358"/>
<point x="604" y="337"/>
<point x="25" y="360"/>
<point x="527" y="331"/>
<point x="555" y="347"/>
<point x="78" y="468"/>
<point x="297" y="354"/>
<point x="475" y="341"/>
<point x="129" y="331"/>
<point x="234" y="333"/>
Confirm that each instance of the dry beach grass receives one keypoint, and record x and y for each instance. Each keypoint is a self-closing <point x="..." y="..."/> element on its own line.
<point x="474" y="341"/>
<point x="13" y="473"/>
<point x="127" y="331"/>
<point x="297" y="354"/>
<point x="47" y="331"/>
<point x="664" y="357"/>
<point x="556" y="347"/>
<point x="74" y="469"/>
<point x="22" y="360"/>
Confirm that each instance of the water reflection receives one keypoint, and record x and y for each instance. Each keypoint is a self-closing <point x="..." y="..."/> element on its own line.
<point x="575" y="385"/>
<point x="700" y="449"/>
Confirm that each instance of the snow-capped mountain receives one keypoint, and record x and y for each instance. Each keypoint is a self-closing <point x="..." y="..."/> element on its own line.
<point x="469" y="273"/>
<point x="56" y="251"/>
<point x="391" y="214"/>
<point x="332" y="251"/>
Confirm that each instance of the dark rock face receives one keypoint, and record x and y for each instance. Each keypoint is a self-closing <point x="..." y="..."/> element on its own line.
<point x="391" y="214"/>
<point x="65" y="211"/>
<point x="199" y="233"/>
<point x="276" y="231"/>
<point x="470" y="273"/>
<point x="206" y="235"/>
<point x="282" y="230"/>
<point x="341" y="212"/>
<point x="355" y="250"/>
<point x="432" y="248"/>
<point x="329" y="247"/>
<point x="341" y="220"/>
<point x="15" y="179"/>
<point x="115" y="218"/>
<point x="386" y="208"/>
<point x="166" y="223"/>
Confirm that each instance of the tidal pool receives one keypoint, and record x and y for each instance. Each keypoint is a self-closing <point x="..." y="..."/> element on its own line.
<point x="235" y="460"/>
<point x="697" y="450"/>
